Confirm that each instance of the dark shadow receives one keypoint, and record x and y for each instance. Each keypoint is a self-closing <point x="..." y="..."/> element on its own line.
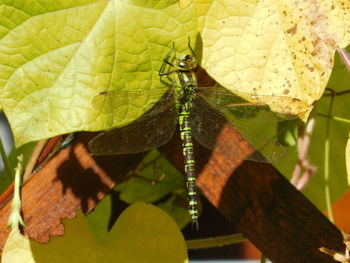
<point x="212" y="224"/>
<point x="86" y="184"/>
<point x="118" y="207"/>
<point x="262" y="204"/>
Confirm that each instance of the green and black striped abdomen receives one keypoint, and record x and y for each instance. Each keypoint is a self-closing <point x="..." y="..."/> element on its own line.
<point x="187" y="148"/>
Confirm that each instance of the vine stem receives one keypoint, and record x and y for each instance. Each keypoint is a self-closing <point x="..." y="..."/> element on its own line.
<point x="6" y="162"/>
<point x="215" y="241"/>
<point x="347" y="121"/>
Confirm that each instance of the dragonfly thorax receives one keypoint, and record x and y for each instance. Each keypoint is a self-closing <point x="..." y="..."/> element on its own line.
<point x="186" y="85"/>
<point x="186" y="94"/>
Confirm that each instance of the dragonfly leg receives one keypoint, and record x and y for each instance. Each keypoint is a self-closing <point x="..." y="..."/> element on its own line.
<point x="167" y="73"/>
<point x="190" y="48"/>
<point x="68" y="140"/>
<point x="165" y="61"/>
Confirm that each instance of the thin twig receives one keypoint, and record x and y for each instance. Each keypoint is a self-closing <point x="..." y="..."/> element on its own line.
<point x="338" y="256"/>
<point x="305" y="178"/>
<point x="344" y="57"/>
<point x="303" y="164"/>
<point x="334" y="118"/>
<point x="33" y="159"/>
<point x="333" y="93"/>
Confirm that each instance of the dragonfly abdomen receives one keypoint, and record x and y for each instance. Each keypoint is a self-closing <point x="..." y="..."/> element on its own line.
<point x="187" y="149"/>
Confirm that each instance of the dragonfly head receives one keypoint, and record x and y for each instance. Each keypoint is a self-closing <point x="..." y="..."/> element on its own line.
<point x="185" y="62"/>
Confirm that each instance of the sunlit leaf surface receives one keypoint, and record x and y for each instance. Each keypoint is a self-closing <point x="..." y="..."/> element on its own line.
<point x="55" y="56"/>
<point x="143" y="233"/>
<point x="282" y="48"/>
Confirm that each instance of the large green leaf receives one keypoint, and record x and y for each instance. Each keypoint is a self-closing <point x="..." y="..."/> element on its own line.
<point x="153" y="179"/>
<point x="55" y="56"/>
<point x="142" y="233"/>
<point x="99" y="218"/>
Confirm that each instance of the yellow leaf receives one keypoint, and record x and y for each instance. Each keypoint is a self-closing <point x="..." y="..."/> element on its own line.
<point x="273" y="47"/>
<point x="185" y="3"/>
<point x="17" y="248"/>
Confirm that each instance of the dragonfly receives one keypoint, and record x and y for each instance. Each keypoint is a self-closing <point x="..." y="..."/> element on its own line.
<point x="197" y="110"/>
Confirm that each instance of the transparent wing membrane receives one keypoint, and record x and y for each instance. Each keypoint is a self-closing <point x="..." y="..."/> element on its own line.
<point x="111" y="101"/>
<point x="251" y="107"/>
<point x="207" y="123"/>
<point x="155" y="128"/>
<point x="157" y="125"/>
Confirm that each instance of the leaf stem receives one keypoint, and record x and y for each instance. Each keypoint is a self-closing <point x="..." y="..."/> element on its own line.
<point x="33" y="159"/>
<point x="215" y="241"/>
<point x="326" y="163"/>
<point x="333" y="93"/>
<point x="347" y="121"/>
<point x="6" y="162"/>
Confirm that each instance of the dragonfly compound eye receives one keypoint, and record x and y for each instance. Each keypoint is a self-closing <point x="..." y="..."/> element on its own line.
<point x="182" y="64"/>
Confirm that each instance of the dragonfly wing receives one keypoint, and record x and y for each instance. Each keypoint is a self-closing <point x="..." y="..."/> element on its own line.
<point x="207" y="123"/>
<point x="117" y="102"/>
<point x="146" y="133"/>
<point x="258" y="108"/>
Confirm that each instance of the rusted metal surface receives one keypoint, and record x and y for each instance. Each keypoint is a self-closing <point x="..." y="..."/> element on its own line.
<point x="260" y="203"/>
<point x="72" y="180"/>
